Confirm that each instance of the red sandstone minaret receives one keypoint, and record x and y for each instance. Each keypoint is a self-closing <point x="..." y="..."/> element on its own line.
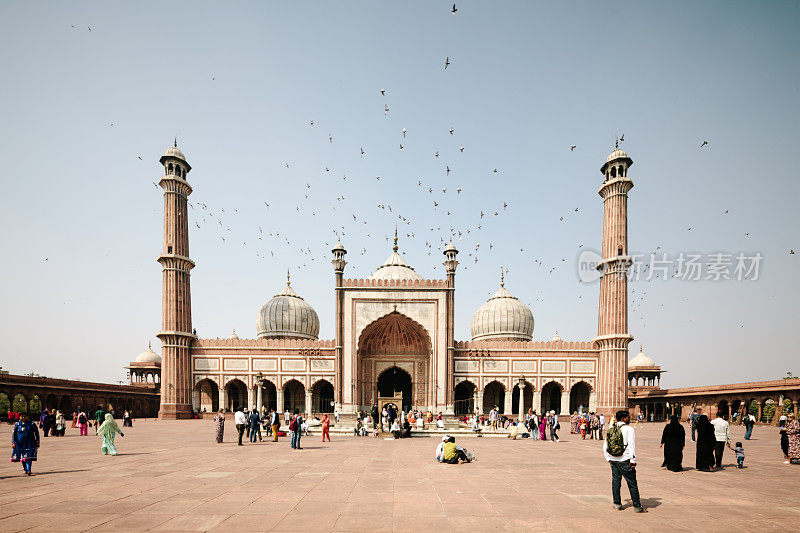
<point x="612" y="325"/>
<point x="176" y="304"/>
<point x="338" y="268"/>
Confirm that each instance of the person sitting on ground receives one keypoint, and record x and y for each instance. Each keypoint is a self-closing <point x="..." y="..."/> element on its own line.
<point x="440" y="449"/>
<point x="395" y="429"/>
<point x="513" y="431"/>
<point x="406" y="429"/>
<point x="358" y="428"/>
<point x="453" y="453"/>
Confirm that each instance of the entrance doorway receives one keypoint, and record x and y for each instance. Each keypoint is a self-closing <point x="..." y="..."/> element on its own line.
<point x="579" y="397"/>
<point x="551" y="397"/>
<point x="394" y="380"/>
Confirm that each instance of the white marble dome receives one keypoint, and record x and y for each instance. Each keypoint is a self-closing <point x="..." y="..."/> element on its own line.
<point x="173" y="151"/>
<point x="640" y="360"/>
<point x="395" y="268"/>
<point x="148" y="356"/>
<point x="502" y="317"/>
<point x="287" y="315"/>
<point x="616" y="154"/>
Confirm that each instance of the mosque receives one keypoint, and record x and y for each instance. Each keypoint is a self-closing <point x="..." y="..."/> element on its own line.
<point x="394" y="335"/>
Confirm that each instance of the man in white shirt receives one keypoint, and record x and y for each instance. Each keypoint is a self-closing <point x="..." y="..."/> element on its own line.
<point x="494" y="417"/>
<point x="241" y="423"/>
<point x="602" y="424"/>
<point x="722" y="432"/>
<point x="440" y="449"/>
<point x="623" y="465"/>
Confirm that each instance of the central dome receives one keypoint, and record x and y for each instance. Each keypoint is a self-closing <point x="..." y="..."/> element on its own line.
<point x="287" y="315"/>
<point x="502" y="317"/>
<point x="394" y="267"/>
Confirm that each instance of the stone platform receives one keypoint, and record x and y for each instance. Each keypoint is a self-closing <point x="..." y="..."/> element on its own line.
<point x="171" y="476"/>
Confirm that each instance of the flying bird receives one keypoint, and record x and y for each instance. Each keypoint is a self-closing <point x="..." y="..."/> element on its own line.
<point x="446" y="62"/>
<point x="330" y="138"/>
<point x="622" y="138"/>
<point x="572" y="148"/>
<point x="139" y="156"/>
<point x="362" y="152"/>
<point x="383" y="92"/>
<point x="703" y="144"/>
<point x="404" y="132"/>
<point x="451" y="131"/>
<point x="453" y="11"/>
<point x="461" y="147"/>
<point x="385" y="109"/>
<point x="448" y="169"/>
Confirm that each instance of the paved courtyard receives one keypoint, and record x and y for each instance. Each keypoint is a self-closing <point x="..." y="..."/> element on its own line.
<point x="171" y="476"/>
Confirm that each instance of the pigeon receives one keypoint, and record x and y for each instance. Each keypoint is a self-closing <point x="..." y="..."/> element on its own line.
<point x="572" y="148"/>
<point x="383" y="92"/>
<point x="139" y="156"/>
<point x="703" y="144"/>
<point x="453" y="11"/>
<point x="622" y="138"/>
<point x="362" y="152"/>
<point x="446" y="62"/>
<point x="461" y="148"/>
<point x="791" y="252"/>
<point x="330" y="138"/>
<point x="386" y="109"/>
<point x="404" y="133"/>
<point x="448" y="169"/>
<point x="401" y="146"/>
<point x="451" y="131"/>
<point x="311" y="123"/>
<point x="436" y="154"/>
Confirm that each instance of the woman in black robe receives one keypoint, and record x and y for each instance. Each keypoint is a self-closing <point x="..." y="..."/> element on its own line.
<point x="705" y="444"/>
<point x="673" y="439"/>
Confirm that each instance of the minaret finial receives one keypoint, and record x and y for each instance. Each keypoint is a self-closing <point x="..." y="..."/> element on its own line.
<point x="395" y="240"/>
<point x="150" y="345"/>
<point x="175" y="142"/>
<point x="502" y="277"/>
<point x="616" y="144"/>
<point x="288" y="278"/>
<point x="641" y="348"/>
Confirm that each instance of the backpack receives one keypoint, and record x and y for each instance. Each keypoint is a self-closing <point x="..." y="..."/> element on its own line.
<point x="293" y="424"/>
<point x="81" y="418"/>
<point x="615" y="444"/>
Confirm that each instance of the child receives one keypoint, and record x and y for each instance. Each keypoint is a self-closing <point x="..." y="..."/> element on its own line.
<point x="739" y="455"/>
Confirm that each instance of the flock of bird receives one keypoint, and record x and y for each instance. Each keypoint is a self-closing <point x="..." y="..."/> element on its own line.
<point x="362" y="223"/>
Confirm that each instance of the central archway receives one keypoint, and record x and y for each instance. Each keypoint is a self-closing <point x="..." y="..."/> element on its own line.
<point x="394" y="354"/>
<point x="394" y="380"/>
<point x="551" y="397"/>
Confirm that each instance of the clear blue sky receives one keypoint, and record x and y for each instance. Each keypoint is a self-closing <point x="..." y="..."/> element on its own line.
<point x="238" y="83"/>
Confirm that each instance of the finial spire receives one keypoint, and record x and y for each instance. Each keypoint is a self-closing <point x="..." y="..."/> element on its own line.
<point x="175" y="142"/>
<point x="149" y="345"/>
<point x="288" y="278"/>
<point x="641" y="348"/>
<point x="502" y="277"/>
<point x="616" y="144"/>
<point x="395" y="240"/>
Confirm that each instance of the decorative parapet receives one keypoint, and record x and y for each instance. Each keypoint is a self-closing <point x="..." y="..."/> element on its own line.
<point x="396" y="283"/>
<point x="294" y="344"/>
<point x="533" y="346"/>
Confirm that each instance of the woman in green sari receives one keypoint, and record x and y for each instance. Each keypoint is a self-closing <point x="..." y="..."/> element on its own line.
<point x="107" y="432"/>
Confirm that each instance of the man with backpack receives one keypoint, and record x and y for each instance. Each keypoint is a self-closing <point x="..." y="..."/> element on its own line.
<point x="295" y="427"/>
<point x="619" y="448"/>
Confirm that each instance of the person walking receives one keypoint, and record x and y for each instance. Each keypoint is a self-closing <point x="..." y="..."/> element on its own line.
<point x="99" y="417"/>
<point x="793" y="434"/>
<point x="602" y="420"/>
<point x="274" y="423"/>
<point x="83" y="423"/>
<point x="693" y="422"/>
<point x="108" y="430"/>
<point x="706" y="442"/>
<point x="326" y="427"/>
<point x="619" y="449"/>
<point x="24" y="443"/>
<point x="295" y="426"/>
<point x="241" y="422"/>
<point x="60" y="425"/>
<point x="673" y="439"/>
<point x="554" y="427"/>
<point x="126" y="419"/>
<point x="219" y="425"/>
<point x="749" y="422"/>
<point x="494" y="416"/>
<point x="254" y="421"/>
<point x="75" y="417"/>
<point x="722" y="434"/>
<point x="543" y="427"/>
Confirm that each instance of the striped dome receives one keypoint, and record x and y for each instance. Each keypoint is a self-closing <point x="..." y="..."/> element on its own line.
<point x="287" y="315"/>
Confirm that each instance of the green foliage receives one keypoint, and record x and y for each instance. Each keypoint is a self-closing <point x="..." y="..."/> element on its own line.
<point x="35" y="405"/>
<point x="753" y="408"/>
<point x="768" y="411"/>
<point x="19" y="405"/>
<point x="5" y="403"/>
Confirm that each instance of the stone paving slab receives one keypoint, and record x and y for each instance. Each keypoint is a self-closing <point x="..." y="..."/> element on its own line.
<point x="171" y="476"/>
